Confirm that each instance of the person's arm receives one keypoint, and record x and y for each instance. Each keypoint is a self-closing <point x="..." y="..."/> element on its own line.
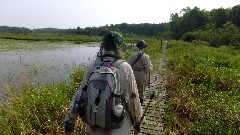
<point x="149" y="66"/>
<point x="136" y="106"/>
<point x="132" y="96"/>
<point x="70" y="118"/>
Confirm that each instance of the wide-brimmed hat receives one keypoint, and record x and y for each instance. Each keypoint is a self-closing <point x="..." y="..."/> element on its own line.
<point x="141" y="44"/>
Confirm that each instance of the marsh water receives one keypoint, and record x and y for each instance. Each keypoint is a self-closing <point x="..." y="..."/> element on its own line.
<point x="43" y="65"/>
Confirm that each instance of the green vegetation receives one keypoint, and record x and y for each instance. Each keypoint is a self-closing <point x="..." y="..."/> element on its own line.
<point x="203" y="82"/>
<point x="217" y="27"/>
<point x="52" y="37"/>
<point x="26" y="45"/>
<point x="144" y="29"/>
<point x="40" y="109"/>
<point x="203" y="86"/>
<point x="60" y="37"/>
<point x="13" y="42"/>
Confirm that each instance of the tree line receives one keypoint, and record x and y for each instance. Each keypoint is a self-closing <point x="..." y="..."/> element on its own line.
<point x="217" y="27"/>
<point x="145" y="29"/>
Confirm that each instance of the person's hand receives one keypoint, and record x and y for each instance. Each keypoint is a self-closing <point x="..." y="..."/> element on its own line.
<point x="68" y="128"/>
<point x="67" y="133"/>
<point x="135" y="132"/>
<point x="136" y="129"/>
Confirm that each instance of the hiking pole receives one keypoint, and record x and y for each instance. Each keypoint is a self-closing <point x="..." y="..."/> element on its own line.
<point x="145" y="110"/>
<point x="151" y="97"/>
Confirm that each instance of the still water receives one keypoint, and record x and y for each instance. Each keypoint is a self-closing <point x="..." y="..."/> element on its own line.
<point x="48" y="66"/>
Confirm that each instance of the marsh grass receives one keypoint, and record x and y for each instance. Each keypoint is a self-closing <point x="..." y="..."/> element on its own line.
<point x="28" y="46"/>
<point x="40" y="110"/>
<point x="52" y="37"/>
<point x="203" y="89"/>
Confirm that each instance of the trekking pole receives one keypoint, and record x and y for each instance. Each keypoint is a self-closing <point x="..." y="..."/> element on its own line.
<point x="145" y="110"/>
<point x="151" y="97"/>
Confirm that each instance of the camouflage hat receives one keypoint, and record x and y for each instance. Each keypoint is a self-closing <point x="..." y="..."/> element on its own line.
<point x="115" y="36"/>
<point x="141" y="44"/>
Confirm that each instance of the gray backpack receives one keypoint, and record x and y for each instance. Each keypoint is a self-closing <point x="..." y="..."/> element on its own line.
<point x="99" y="104"/>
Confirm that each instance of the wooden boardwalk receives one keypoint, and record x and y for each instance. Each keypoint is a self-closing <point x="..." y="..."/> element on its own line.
<point x="154" y="124"/>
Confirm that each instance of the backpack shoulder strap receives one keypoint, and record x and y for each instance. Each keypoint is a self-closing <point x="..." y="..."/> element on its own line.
<point x="118" y="62"/>
<point x="139" y="55"/>
<point x="98" y="61"/>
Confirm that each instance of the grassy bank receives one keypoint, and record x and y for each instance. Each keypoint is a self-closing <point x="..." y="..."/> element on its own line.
<point x="62" y="37"/>
<point x="39" y="109"/>
<point x="203" y="86"/>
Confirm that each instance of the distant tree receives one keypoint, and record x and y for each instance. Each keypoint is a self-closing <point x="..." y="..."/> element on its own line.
<point x="19" y="30"/>
<point x="188" y="20"/>
<point x="231" y="34"/>
<point x="175" y="25"/>
<point x="49" y="31"/>
<point x="194" y="19"/>
<point x="189" y="24"/>
<point x="219" y="16"/>
<point x="235" y="15"/>
<point x="78" y="31"/>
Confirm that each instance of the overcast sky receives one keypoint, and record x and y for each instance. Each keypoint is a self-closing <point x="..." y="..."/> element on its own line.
<point x="88" y="13"/>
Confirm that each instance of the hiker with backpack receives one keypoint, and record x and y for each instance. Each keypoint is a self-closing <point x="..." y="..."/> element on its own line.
<point x="141" y="65"/>
<point x="107" y="100"/>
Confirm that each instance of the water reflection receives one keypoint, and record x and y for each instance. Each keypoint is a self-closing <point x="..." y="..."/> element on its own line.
<point x="54" y="65"/>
